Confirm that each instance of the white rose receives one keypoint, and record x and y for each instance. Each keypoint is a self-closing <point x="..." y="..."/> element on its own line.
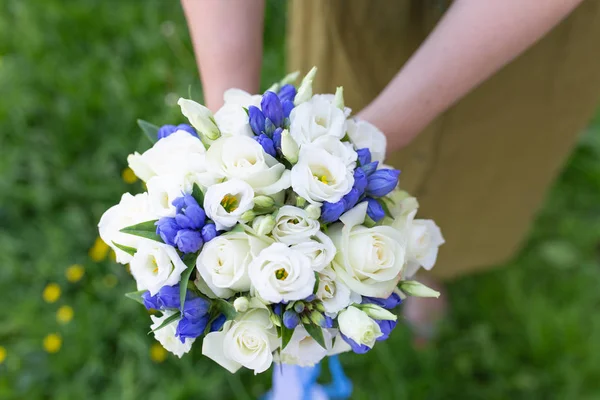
<point x="131" y="210"/>
<point x="357" y="325"/>
<point x="166" y="335"/>
<point x="369" y="260"/>
<point x="366" y="135"/>
<point x="292" y="225"/>
<point x="247" y="341"/>
<point x="334" y="294"/>
<point x="223" y="262"/>
<point x="178" y="153"/>
<point x="316" y="118"/>
<point x="342" y="150"/>
<point x="303" y="350"/>
<point x="424" y="240"/>
<point x="155" y="265"/>
<point x="281" y="274"/>
<point x="225" y="202"/>
<point x="243" y="158"/>
<point x="320" y="249"/>
<point x="319" y="176"/>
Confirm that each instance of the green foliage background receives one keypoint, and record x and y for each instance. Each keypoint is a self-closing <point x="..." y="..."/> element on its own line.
<point x="75" y="75"/>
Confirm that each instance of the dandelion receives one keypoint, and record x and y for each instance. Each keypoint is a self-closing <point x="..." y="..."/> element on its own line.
<point x="52" y="343"/>
<point x="158" y="353"/>
<point x="51" y="293"/>
<point x="74" y="273"/>
<point x="2" y="354"/>
<point x="64" y="314"/>
<point x="128" y="176"/>
<point x="99" y="250"/>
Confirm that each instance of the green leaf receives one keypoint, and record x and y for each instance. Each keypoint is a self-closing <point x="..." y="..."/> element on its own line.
<point x="198" y="195"/>
<point x="137" y="296"/>
<point x="286" y="335"/>
<point x="247" y="112"/>
<point x="226" y="308"/>
<point x="190" y="261"/>
<point x="167" y="321"/>
<point x="150" y="130"/>
<point x="126" y="249"/>
<point x="316" y="333"/>
<point x="384" y="205"/>
<point x="145" y="229"/>
<point x="317" y="280"/>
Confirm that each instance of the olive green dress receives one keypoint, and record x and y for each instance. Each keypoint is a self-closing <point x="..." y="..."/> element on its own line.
<point x="482" y="169"/>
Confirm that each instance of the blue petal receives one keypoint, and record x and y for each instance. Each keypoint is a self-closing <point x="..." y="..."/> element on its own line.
<point x="271" y="108"/>
<point x="256" y="119"/>
<point x="382" y="182"/>
<point x="375" y="210"/>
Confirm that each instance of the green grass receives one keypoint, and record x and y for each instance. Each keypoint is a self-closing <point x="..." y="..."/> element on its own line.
<point x="74" y="76"/>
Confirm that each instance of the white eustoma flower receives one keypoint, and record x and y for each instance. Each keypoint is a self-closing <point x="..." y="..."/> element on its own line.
<point x="369" y="260"/>
<point x="424" y="240"/>
<point x="166" y="335"/>
<point x="319" y="176"/>
<point x="357" y="325"/>
<point x="243" y="158"/>
<point x="225" y="202"/>
<point x="342" y="150"/>
<point x="316" y="118"/>
<point x="319" y="248"/>
<point x="163" y="189"/>
<point x="303" y="350"/>
<point x="247" y="341"/>
<point x="178" y="154"/>
<point x="131" y="210"/>
<point x="241" y="98"/>
<point x="366" y="135"/>
<point x="200" y="118"/>
<point x="281" y="274"/>
<point x="293" y="225"/>
<point x="334" y="294"/>
<point x="155" y="265"/>
<point x="232" y="119"/>
<point x="223" y="262"/>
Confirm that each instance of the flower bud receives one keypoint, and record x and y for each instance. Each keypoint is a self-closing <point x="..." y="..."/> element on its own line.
<point x="417" y="289"/>
<point x="208" y="232"/>
<point x="313" y="211"/>
<point x="305" y="319"/>
<point x="271" y="108"/>
<point x="317" y="318"/>
<point x="338" y="100"/>
<point x="305" y="89"/>
<point x="375" y="210"/>
<point x="290" y="319"/>
<point x="248" y="216"/>
<point x="263" y="225"/>
<point x="364" y="156"/>
<point x="275" y="319"/>
<point x="320" y="307"/>
<point x="331" y="212"/>
<point x="290" y="78"/>
<point x="376" y="312"/>
<point x="287" y="93"/>
<point x="370" y="168"/>
<point x="241" y="304"/>
<point x="289" y="147"/>
<point x="264" y="202"/>
<point x="300" y="202"/>
<point x="382" y="181"/>
<point x="299" y="307"/>
<point x="200" y="118"/>
<point x="256" y="119"/>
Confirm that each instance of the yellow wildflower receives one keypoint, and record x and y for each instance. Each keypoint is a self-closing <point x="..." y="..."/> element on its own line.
<point x="128" y="176"/>
<point x="2" y="354"/>
<point x="99" y="250"/>
<point x="74" y="273"/>
<point x="51" y="293"/>
<point x="158" y="353"/>
<point x="52" y="343"/>
<point x="64" y="314"/>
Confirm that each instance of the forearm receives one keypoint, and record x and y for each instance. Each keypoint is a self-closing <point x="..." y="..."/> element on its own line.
<point x="473" y="40"/>
<point x="227" y="39"/>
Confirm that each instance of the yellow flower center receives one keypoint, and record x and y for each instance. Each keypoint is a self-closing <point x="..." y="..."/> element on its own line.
<point x="281" y="274"/>
<point x="230" y="203"/>
<point x="321" y="178"/>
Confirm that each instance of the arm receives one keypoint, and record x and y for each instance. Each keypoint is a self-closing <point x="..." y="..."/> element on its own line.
<point x="473" y="40"/>
<point x="227" y="38"/>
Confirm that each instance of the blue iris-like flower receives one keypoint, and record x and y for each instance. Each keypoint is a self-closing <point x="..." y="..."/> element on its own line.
<point x="267" y="144"/>
<point x="357" y="348"/>
<point x="277" y="139"/>
<point x="364" y="156"/>
<point x="195" y="308"/>
<point x="374" y="209"/>
<point x="360" y="180"/>
<point x="218" y="323"/>
<point x="257" y="120"/>
<point x="287" y="93"/>
<point x="382" y="181"/>
<point x="386" y="326"/>
<point x="191" y="329"/>
<point x="291" y="319"/>
<point x="287" y="106"/>
<point x="370" y="168"/>
<point x="208" y="232"/>
<point x="351" y="199"/>
<point x="167" y="228"/>
<point x="167" y="130"/>
<point x="272" y="109"/>
<point x="188" y="240"/>
<point x="331" y="212"/>
<point x="392" y="301"/>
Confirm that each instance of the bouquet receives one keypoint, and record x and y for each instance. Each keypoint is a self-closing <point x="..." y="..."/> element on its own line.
<point x="270" y="231"/>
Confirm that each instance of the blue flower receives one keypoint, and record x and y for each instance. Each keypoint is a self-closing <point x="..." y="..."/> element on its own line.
<point x="266" y="143"/>
<point x="331" y="212"/>
<point x="278" y="309"/>
<point x="167" y="228"/>
<point x="392" y="301"/>
<point x="168" y="297"/>
<point x="382" y="181"/>
<point x="386" y="326"/>
<point x="208" y="232"/>
<point x="269" y="127"/>
<point x="218" y="323"/>
<point x="290" y="319"/>
<point x="328" y="322"/>
<point x="364" y="156"/>
<point x="150" y="302"/>
<point x="187" y="200"/>
<point x="287" y="106"/>
<point x="257" y="120"/>
<point x="374" y="209"/>
<point x="188" y="241"/>
<point x="351" y="199"/>
<point x="271" y="108"/>
<point x="191" y="329"/>
<point x="370" y="168"/>
<point x="357" y="348"/>
<point x="166" y="130"/>
<point x="287" y="93"/>
<point x="188" y="129"/>
<point x="360" y="180"/>
<point x="193" y="217"/>
<point x="277" y="139"/>
<point x="195" y="308"/>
